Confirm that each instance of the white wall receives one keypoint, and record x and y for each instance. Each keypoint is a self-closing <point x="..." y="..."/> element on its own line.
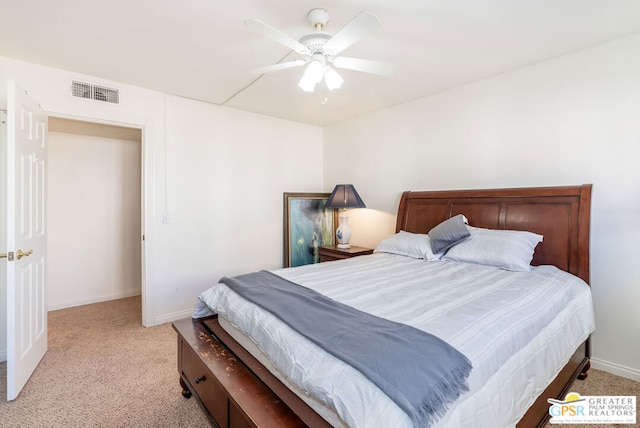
<point x="571" y="120"/>
<point x="227" y="171"/>
<point x="221" y="184"/>
<point x="93" y="218"/>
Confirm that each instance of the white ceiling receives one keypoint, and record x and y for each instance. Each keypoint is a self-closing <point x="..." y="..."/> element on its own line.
<point x="199" y="48"/>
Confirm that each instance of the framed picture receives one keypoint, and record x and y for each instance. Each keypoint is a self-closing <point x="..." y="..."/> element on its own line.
<point x="307" y="226"/>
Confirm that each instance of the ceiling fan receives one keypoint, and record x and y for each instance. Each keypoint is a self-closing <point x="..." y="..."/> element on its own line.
<point x="320" y="50"/>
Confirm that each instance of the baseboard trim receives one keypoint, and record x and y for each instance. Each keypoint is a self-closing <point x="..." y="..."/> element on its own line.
<point x="54" y="306"/>
<point x="616" y="369"/>
<point x="172" y="317"/>
<point x="3" y="355"/>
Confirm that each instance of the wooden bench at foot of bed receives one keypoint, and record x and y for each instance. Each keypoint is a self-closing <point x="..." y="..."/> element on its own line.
<point x="231" y="395"/>
<point x="228" y="392"/>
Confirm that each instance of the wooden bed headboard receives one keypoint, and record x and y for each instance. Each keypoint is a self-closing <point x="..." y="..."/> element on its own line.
<point x="560" y="214"/>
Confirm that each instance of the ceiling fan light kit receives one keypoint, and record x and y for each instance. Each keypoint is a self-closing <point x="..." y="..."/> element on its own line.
<point x="313" y="74"/>
<point x="320" y="50"/>
<point x="332" y="78"/>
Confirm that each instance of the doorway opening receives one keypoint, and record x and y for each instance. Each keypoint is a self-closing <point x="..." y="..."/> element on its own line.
<point x="94" y="213"/>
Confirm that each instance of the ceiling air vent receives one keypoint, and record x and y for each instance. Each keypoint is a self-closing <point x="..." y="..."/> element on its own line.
<point x="95" y="92"/>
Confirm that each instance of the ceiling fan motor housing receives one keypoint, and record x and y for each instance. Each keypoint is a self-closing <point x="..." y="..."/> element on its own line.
<point x="315" y="41"/>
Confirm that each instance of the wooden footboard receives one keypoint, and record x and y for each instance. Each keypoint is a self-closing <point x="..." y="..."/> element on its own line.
<point x="230" y="394"/>
<point x="236" y="391"/>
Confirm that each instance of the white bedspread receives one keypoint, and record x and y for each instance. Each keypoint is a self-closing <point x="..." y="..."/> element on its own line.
<point x="517" y="328"/>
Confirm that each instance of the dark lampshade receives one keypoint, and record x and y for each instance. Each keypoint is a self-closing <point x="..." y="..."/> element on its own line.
<point x="345" y="196"/>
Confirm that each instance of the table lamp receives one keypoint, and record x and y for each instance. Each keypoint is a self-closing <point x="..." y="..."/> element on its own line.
<point x="344" y="196"/>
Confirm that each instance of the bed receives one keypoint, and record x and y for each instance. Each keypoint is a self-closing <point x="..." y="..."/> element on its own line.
<point x="238" y="384"/>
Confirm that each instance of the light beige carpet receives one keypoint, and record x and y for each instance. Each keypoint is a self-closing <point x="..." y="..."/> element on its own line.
<point x="103" y="369"/>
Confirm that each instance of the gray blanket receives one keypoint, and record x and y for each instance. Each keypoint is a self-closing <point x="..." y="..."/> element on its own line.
<point x="421" y="373"/>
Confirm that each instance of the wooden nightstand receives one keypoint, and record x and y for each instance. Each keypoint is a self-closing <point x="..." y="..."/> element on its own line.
<point x="332" y="252"/>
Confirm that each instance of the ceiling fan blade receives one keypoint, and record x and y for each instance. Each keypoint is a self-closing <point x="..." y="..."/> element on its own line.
<point x="265" y="29"/>
<point x="365" y="65"/>
<point x="362" y="24"/>
<point x="278" y="67"/>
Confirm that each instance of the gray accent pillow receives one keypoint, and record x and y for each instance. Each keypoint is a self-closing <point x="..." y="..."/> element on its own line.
<point x="448" y="233"/>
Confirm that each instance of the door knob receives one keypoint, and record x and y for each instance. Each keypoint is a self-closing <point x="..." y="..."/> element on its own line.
<point x="20" y="254"/>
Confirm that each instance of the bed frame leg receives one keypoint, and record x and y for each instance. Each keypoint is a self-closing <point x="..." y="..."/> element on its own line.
<point x="185" y="389"/>
<point x="583" y="374"/>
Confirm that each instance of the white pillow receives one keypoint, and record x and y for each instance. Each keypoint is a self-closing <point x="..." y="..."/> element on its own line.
<point x="408" y="244"/>
<point x="505" y="249"/>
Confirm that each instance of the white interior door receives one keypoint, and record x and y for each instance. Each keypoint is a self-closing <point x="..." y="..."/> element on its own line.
<point x="26" y="238"/>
